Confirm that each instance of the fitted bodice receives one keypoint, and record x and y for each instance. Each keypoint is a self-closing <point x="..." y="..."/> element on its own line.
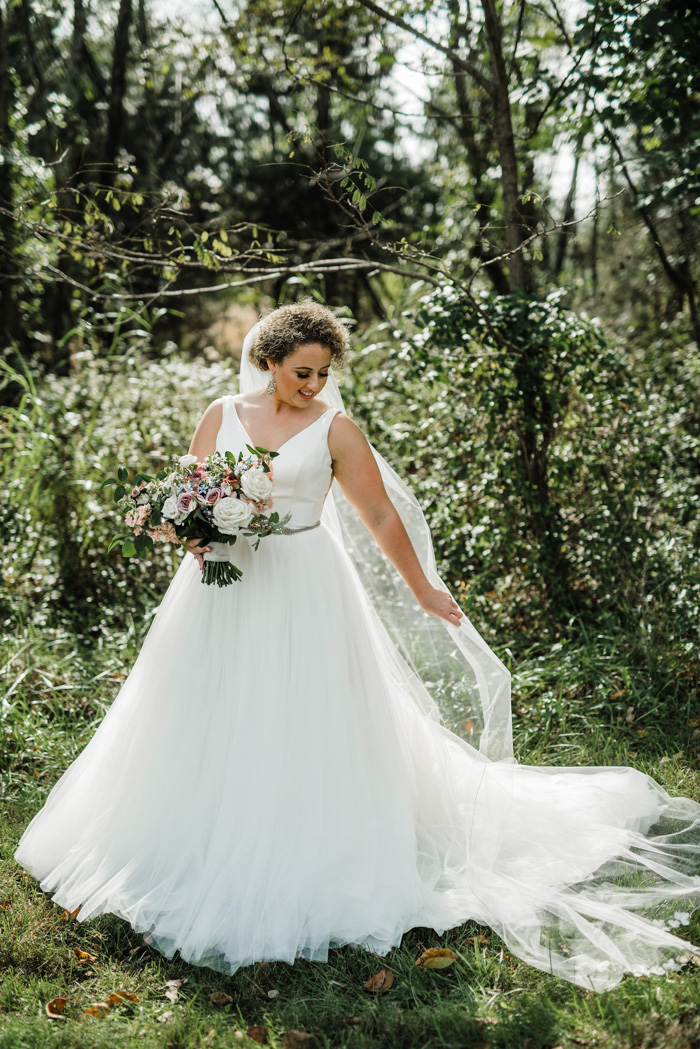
<point x="302" y="472"/>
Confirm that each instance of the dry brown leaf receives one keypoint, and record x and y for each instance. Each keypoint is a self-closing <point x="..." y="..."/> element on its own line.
<point x="71" y="914"/>
<point x="164" y="1017"/>
<point x="98" y="1008"/>
<point x="209" y="1038"/>
<point x="381" y="981"/>
<point x="54" y="1008"/>
<point x="5" y="905"/>
<point x="172" y="987"/>
<point x="485" y="1020"/>
<point x="629" y="716"/>
<point x="119" y="997"/>
<point x="296" y="1040"/>
<point x="694" y="722"/>
<point x="477" y="939"/>
<point x="437" y="958"/>
<point x="258" y="1033"/>
<point x="616" y="695"/>
<point x="83" y="956"/>
<point x="220" y="998"/>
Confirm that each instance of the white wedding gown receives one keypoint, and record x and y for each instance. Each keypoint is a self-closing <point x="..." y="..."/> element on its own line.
<point x="271" y="781"/>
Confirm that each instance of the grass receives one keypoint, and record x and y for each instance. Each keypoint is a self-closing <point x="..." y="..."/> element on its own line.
<point x="569" y="710"/>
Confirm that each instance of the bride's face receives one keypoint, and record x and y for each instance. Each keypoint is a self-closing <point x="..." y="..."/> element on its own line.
<point x="303" y="374"/>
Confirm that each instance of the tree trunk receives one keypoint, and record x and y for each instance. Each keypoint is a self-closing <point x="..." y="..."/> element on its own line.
<point x="506" y="147"/>
<point x="148" y="136"/>
<point x="568" y="216"/>
<point x="476" y="155"/>
<point x="8" y="301"/>
<point x="117" y="90"/>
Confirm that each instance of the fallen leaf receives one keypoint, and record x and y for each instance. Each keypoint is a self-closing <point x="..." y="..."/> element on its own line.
<point x="164" y="1017"/>
<point x="119" y="997"/>
<point x="220" y="998"/>
<point x="5" y="905"/>
<point x="477" y="939"/>
<point x="629" y="716"/>
<point x="71" y="914"/>
<point x="98" y="1008"/>
<point x="258" y="1033"/>
<point x="616" y="695"/>
<point x="381" y="981"/>
<point x="296" y="1040"/>
<point x="273" y="994"/>
<point x="694" y="722"/>
<point x="437" y="958"/>
<point x="54" y="1008"/>
<point x="172" y="987"/>
<point x="485" y="1020"/>
<point x="353" y="1021"/>
<point x="83" y="956"/>
<point x="209" y="1038"/>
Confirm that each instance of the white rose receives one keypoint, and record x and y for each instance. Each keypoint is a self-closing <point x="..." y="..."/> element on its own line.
<point x="187" y="460"/>
<point x="170" y="510"/>
<point x="230" y="514"/>
<point x="256" y="484"/>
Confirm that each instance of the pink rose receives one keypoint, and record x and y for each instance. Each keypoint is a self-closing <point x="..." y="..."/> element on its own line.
<point x="186" y="502"/>
<point x="213" y="496"/>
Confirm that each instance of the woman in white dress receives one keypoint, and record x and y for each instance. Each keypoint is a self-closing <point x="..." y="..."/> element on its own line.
<point x="274" y="778"/>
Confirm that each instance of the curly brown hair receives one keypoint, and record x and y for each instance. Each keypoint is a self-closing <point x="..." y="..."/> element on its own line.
<point x="287" y="327"/>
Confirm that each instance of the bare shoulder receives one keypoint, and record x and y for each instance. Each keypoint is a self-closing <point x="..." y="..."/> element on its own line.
<point x="212" y="415"/>
<point x="345" y="435"/>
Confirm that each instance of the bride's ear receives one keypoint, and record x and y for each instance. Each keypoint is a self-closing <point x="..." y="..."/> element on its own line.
<point x="270" y="364"/>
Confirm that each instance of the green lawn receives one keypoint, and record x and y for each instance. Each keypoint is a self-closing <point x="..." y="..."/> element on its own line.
<point x="57" y="687"/>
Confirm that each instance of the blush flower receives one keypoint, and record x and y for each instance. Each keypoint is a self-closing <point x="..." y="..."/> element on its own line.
<point x="213" y="496"/>
<point x="186" y="502"/>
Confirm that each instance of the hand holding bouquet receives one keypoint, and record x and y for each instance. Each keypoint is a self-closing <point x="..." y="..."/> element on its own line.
<point x="212" y="501"/>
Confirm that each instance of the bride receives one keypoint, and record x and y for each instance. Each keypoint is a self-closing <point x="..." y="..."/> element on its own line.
<point x="274" y="778"/>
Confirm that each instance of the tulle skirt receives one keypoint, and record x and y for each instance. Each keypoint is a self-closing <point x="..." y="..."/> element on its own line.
<point x="266" y="785"/>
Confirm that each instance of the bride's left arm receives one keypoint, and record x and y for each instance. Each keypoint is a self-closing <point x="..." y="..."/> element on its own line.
<point x="357" y="473"/>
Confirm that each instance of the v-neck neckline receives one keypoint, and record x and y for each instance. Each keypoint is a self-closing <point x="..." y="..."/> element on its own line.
<point x="284" y="443"/>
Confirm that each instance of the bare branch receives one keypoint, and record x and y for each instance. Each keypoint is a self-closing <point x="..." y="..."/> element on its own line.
<point x="457" y="60"/>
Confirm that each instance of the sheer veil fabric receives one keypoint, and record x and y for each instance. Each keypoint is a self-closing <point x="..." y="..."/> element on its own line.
<point x="586" y="873"/>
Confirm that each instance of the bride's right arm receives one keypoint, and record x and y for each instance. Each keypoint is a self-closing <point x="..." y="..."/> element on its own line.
<point x="204" y="441"/>
<point x="203" y="444"/>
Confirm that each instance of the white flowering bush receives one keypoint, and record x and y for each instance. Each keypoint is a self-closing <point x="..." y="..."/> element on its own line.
<point x="64" y="435"/>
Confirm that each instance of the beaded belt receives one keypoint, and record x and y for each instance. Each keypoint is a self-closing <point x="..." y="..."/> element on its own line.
<point x="293" y="531"/>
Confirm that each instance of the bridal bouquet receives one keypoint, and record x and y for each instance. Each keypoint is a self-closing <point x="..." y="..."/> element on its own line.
<point x="214" y="501"/>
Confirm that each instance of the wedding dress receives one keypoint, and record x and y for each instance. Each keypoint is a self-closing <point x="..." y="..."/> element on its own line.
<point x="274" y="777"/>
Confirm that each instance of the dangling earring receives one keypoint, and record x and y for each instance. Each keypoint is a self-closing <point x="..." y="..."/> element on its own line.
<point x="272" y="386"/>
